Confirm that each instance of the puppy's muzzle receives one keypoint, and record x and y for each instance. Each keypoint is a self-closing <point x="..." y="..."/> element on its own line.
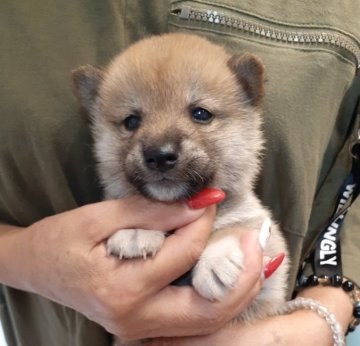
<point x="160" y="159"/>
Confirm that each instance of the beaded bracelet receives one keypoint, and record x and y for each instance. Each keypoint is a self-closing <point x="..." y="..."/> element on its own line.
<point x="310" y="304"/>
<point x="337" y="281"/>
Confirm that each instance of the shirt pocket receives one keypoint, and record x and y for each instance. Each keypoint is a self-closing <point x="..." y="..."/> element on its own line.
<point x="309" y="70"/>
<point x="225" y="19"/>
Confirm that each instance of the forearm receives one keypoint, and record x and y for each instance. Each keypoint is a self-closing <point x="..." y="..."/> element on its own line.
<point x="306" y="326"/>
<point x="335" y="299"/>
<point x="302" y="327"/>
<point x="14" y="260"/>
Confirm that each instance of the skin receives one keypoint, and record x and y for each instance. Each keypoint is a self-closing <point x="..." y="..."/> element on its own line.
<point x="304" y="326"/>
<point x="69" y="265"/>
<point x="63" y="258"/>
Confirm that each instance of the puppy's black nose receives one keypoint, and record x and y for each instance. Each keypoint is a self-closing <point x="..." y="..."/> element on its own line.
<point x="160" y="159"/>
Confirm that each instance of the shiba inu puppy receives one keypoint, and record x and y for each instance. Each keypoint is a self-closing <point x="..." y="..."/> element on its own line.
<point x="172" y="115"/>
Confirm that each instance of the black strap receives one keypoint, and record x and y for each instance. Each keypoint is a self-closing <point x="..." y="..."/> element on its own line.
<point x="326" y="257"/>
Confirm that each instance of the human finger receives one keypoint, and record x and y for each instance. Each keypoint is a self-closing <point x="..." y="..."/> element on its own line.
<point x="177" y="255"/>
<point x="196" y="315"/>
<point x="105" y="218"/>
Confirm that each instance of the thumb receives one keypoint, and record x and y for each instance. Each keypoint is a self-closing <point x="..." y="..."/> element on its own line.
<point x="180" y="251"/>
<point x="107" y="217"/>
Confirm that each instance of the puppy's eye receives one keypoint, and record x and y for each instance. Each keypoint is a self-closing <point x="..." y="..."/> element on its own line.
<point x="132" y="122"/>
<point x="201" y="115"/>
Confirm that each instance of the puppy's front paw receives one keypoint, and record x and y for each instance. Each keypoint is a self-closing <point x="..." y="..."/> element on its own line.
<point x="134" y="243"/>
<point x="218" y="268"/>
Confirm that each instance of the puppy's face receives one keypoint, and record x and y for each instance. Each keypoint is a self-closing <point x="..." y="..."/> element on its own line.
<point x="171" y="115"/>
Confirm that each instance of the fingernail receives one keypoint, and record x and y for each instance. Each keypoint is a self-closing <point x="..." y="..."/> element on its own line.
<point x="205" y="198"/>
<point x="274" y="264"/>
<point x="264" y="233"/>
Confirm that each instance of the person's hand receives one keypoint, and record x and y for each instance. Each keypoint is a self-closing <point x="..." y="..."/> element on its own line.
<point x="274" y="331"/>
<point x="63" y="258"/>
<point x="302" y="327"/>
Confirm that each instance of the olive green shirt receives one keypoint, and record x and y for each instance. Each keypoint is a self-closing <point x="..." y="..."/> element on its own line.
<point x="46" y="163"/>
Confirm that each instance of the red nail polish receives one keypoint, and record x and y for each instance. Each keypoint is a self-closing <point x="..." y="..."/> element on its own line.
<point x="273" y="265"/>
<point x="205" y="198"/>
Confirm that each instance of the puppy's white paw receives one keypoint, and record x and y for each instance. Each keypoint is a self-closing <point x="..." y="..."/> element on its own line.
<point x="134" y="243"/>
<point x="218" y="268"/>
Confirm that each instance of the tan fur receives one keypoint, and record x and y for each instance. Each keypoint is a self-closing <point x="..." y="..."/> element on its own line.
<point x="162" y="78"/>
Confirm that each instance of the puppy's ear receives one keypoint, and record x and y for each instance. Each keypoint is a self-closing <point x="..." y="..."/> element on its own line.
<point x="86" y="81"/>
<point x="249" y="72"/>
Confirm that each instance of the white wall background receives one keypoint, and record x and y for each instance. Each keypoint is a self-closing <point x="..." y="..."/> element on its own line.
<point x="354" y="338"/>
<point x="2" y="339"/>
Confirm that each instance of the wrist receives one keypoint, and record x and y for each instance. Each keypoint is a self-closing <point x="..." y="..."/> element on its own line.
<point x="310" y="328"/>
<point x="334" y="299"/>
<point x="13" y="257"/>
